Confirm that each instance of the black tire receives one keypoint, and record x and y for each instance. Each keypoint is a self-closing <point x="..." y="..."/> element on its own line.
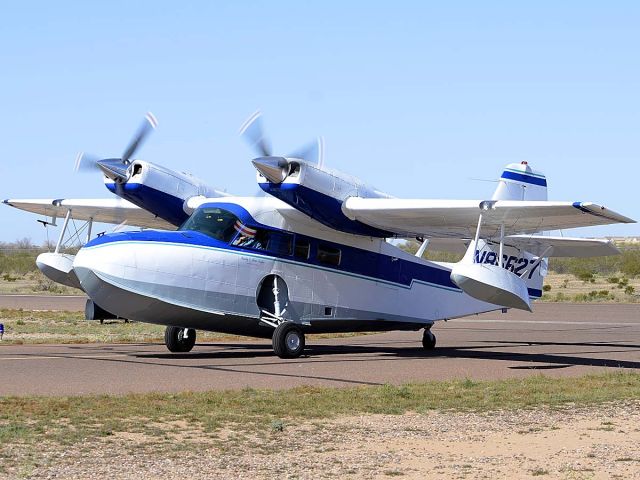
<point x="428" y="340"/>
<point x="288" y="340"/>
<point x="94" y="312"/>
<point x="175" y="341"/>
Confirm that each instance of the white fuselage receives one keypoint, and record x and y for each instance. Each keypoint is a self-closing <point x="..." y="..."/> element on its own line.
<point x="183" y="278"/>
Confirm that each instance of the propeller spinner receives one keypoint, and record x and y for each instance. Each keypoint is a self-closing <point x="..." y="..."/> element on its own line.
<point x="274" y="168"/>
<point x="117" y="169"/>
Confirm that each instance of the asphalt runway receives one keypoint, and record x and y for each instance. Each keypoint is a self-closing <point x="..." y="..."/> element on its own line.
<point x="557" y="340"/>
<point x="69" y="303"/>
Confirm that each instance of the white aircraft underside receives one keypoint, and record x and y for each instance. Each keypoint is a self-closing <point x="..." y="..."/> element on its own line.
<point x="312" y="255"/>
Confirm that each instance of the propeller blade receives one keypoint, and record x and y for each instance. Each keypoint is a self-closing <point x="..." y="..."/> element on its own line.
<point x="85" y="162"/>
<point x="253" y="133"/>
<point x="311" y="153"/>
<point x="148" y="125"/>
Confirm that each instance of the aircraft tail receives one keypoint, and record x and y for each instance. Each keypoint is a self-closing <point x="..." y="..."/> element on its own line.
<point x="507" y="274"/>
<point x="520" y="182"/>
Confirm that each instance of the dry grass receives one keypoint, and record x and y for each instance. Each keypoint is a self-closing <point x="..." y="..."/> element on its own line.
<point x="564" y="287"/>
<point x="68" y="420"/>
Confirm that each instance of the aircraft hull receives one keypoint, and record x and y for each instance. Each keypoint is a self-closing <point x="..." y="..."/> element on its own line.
<point x="215" y="287"/>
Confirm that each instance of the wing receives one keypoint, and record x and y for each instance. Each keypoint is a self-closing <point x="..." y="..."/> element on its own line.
<point x="103" y="210"/>
<point x="459" y="218"/>
<point x="536" y="245"/>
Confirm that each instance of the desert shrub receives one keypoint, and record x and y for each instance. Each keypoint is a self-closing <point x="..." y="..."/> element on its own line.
<point x="546" y="288"/>
<point x="628" y="263"/>
<point x="18" y="263"/>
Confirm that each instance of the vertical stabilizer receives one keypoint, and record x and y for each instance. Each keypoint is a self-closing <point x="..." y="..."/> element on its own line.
<point x="520" y="182"/>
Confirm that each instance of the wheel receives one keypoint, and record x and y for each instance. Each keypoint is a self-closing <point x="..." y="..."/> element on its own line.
<point x="177" y="342"/>
<point x="428" y="340"/>
<point x="95" y="312"/>
<point x="288" y="340"/>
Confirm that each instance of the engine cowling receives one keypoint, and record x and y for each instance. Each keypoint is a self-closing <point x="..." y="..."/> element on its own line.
<point x="159" y="190"/>
<point x="317" y="192"/>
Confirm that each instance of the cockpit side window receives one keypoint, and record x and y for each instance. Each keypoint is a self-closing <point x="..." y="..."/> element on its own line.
<point x="214" y="222"/>
<point x="251" y="238"/>
<point x="261" y="239"/>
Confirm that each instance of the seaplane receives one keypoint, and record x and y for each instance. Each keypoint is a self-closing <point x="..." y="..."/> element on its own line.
<point x="316" y="252"/>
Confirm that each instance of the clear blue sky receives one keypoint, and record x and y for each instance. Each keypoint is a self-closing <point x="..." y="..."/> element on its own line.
<point x="418" y="99"/>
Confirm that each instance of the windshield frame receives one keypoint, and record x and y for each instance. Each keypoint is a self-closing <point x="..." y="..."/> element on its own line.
<point x="201" y="221"/>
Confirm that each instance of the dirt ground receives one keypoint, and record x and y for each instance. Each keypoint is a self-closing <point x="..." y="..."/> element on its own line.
<point x="600" y="442"/>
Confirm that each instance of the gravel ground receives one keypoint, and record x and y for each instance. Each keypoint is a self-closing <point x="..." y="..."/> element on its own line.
<point x="567" y="443"/>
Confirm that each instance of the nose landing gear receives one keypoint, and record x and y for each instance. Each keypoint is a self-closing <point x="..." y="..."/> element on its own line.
<point x="179" y="340"/>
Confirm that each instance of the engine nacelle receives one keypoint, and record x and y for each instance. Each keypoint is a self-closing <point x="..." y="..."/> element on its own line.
<point x="159" y="190"/>
<point x="317" y="192"/>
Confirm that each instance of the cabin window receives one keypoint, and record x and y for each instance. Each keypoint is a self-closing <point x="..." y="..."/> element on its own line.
<point x="280" y="243"/>
<point x="328" y="255"/>
<point x="214" y="222"/>
<point x="251" y="238"/>
<point x="260" y="239"/>
<point x="303" y="247"/>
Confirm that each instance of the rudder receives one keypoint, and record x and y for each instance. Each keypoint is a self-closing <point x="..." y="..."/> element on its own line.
<point x="520" y="182"/>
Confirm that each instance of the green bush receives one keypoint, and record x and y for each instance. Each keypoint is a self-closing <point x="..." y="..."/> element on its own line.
<point x="18" y="263"/>
<point x="628" y="263"/>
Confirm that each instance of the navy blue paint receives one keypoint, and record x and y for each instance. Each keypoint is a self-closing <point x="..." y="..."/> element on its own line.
<point x="323" y="208"/>
<point x="579" y="206"/>
<point x="354" y="260"/>
<point x="534" y="292"/>
<point x="521" y="177"/>
<point x="161" y="204"/>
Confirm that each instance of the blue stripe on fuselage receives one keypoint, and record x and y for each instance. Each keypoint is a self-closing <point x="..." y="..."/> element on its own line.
<point x="354" y="261"/>
<point x="161" y="204"/>
<point x="323" y="208"/>
<point x="523" y="177"/>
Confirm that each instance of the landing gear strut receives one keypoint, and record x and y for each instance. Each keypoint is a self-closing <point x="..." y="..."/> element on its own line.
<point x="428" y="339"/>
<point x="179" y="340"/>
<point x="288" y="340"/>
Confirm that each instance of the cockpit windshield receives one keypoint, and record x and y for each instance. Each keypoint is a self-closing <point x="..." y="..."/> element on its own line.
<point x="214" y="222"/>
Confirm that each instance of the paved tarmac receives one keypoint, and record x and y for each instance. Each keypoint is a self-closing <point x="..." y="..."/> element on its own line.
<point x="69" y="303"/>
<point x="557" y="340"/>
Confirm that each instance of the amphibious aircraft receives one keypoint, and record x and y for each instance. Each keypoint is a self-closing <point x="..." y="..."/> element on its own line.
<point x="312" y="255"/>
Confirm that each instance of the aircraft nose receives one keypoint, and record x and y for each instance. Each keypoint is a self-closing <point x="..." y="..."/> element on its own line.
<point x="105" y="261"/>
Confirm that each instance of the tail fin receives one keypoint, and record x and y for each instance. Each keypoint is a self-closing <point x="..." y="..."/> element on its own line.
<point x="520" y="182"/>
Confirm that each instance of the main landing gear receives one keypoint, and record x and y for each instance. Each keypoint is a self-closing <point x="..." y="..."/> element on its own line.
<point x="179" y="340"/>
<point x="428" y="339"/>
<point x="288" y="340"/>
<point x="273" y="298"/>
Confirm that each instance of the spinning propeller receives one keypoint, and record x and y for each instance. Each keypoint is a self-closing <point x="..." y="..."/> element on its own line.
<point x="117" y="169"/>
<point x="275" y="168"/>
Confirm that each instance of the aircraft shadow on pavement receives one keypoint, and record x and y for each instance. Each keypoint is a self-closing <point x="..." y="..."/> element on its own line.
<point x="345" y="354"/>
<point x="323" y="353"/>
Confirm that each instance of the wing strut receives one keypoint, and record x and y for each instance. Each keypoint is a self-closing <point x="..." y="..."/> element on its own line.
<point x="64" y="229"/>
